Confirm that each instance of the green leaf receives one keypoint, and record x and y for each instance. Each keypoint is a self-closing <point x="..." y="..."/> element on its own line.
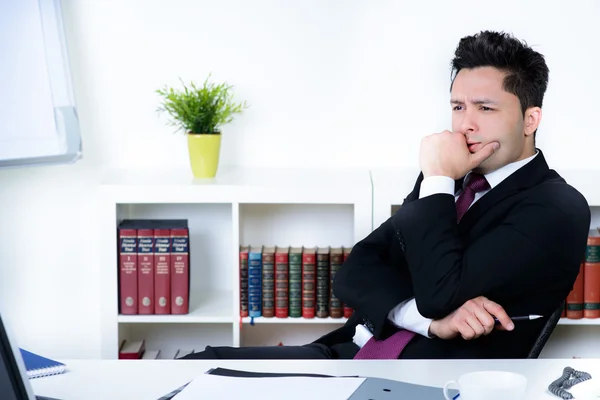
<point x="200" y="109"/>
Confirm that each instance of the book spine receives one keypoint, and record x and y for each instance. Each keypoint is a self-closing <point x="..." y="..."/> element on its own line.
<point x="132" y="351"/>
<point x="591" y="282"/>
<point x="308" y="282"/>
<point x="146" y="271"/>
<point x="243" y="281"/>
<point x="180" y="271"/>
<point x="255" y="283"/>
<point x="574" y="303"/>
<point x="295" y="284"/>
<point x="162" y="267"/>
<point x="128" y="279"/>
<point x="348" y="311"/>
<point x="268" y="283"/>
<point x="281" y="283"/>
<point x="335" y="262"/>
<point x="322" y="280"/>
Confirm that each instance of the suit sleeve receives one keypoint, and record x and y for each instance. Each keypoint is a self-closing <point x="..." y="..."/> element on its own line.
<point x="374" y="279"/>
<point x="371" y="282"/>
<point x="538" y="244"/>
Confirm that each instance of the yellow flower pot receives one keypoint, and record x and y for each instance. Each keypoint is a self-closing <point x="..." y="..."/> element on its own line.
<point x="204" y="150"/>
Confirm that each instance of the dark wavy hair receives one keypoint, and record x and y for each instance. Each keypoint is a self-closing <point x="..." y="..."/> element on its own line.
<point x="526" y="70"/>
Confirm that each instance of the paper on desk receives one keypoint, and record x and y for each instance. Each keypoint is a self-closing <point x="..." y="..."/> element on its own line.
<point x="290" y="388"/>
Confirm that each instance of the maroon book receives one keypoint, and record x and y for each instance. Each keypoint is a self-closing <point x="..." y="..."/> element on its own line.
<point x="145" y="271"/>
<point x="128" y="279"/>
<point x="162" y="267"/>
<point x="180" y="271"/>
<point x="347" y="310"/>
<point x="132" y="350"/>
<point x="281" y="282"/>
<point x="309" y="260"/>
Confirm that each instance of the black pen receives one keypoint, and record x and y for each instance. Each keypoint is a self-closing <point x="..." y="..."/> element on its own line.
<point x="522" y="318"/>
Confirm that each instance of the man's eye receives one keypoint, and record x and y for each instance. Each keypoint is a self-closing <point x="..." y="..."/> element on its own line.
<point x="455" y="108"/>
<point x="486" y="108"/>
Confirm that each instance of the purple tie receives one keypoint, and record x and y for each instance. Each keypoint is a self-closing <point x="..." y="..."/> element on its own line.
<point x="387" y="349"/>
<point x="477" y="183"/>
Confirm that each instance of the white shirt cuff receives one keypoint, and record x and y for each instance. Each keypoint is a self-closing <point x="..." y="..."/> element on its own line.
<point x="406" y="315"/>
<point x="436" y="185"/>
<point x="361" y="335"/>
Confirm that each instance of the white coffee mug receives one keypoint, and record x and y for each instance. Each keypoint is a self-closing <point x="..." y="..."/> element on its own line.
<point x="488" y="385"/>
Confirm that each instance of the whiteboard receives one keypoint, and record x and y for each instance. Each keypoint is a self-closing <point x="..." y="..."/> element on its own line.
<point x="38" y="117"/>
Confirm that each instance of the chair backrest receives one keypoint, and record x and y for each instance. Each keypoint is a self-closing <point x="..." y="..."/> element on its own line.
<point x="546" y="332"/>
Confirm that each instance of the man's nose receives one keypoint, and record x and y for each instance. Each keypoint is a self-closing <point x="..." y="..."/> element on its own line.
<point x="468" y="124"/>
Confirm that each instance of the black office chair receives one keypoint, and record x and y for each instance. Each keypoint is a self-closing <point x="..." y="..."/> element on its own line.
<point x="546" y="332"/>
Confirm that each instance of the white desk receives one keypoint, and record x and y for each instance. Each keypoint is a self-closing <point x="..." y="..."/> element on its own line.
<point x="149" y="380"/>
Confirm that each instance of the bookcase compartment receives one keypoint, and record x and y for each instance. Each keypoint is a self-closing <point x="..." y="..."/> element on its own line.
<point x="269" y="334"/>
<point x="210" y="239"/>
<point x="170" y="338"/>
<point x="296" y="224"/>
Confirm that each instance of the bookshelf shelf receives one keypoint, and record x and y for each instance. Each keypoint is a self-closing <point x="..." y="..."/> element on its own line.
<point x="210" y="308"/>
<point x="582" y="322"/>
<point x="328" y="320"/>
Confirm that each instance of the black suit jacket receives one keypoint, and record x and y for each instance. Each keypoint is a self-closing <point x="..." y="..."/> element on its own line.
<point x="520" y="245"/>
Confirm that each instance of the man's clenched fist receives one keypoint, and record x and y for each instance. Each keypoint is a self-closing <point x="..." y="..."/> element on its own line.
<point x="447" y="154"/>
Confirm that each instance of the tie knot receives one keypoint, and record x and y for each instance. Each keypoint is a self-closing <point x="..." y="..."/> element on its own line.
<point x="477" y="182"/>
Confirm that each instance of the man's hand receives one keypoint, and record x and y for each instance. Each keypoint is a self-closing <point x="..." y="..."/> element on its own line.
<point x="472" y="320"/>
<point x="447" y="154"/>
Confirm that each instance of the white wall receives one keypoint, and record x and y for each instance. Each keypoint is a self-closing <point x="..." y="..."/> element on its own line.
<point x="329" y="83"/>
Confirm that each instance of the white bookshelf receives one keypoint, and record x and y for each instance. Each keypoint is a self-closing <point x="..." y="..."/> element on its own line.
<point x="572" y="337"/>
<point x="285" y="207"/>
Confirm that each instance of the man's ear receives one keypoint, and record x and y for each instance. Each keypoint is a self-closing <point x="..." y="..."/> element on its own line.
<point x="532" y="119"/>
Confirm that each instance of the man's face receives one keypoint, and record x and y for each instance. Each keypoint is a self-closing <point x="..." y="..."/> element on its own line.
<point x="483" y="112"/>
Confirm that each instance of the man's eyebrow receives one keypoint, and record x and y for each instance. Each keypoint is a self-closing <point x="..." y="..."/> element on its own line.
<point x="476" y="101"/>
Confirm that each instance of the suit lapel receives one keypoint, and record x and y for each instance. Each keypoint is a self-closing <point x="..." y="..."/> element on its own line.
<point x="525" y="177"/>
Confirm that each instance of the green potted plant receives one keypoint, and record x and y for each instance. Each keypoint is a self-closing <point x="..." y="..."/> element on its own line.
<point x="201" y="112"/>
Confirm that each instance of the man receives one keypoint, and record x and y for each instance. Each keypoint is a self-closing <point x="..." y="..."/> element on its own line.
<point x="489" y="231"/>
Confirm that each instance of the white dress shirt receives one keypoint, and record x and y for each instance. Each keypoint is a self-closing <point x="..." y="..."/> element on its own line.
<point x="406" y="315"/>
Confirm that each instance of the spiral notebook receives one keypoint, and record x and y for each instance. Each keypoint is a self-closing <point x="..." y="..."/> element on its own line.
<point x="38" y="366"/>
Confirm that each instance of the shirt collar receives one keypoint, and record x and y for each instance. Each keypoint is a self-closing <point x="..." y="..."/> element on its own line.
<point x="495" y="177"/>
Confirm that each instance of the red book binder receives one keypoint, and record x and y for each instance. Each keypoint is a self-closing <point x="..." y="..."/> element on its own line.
<point x="282" y="282"/>
<point x="145" y="271"/>
<point x="162" y="269"/>
<point x="309" y="261"/>
<point x="180" y="271"/>
<point x="128" y="279"/>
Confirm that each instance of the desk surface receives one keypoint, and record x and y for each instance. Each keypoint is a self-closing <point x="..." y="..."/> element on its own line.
<point x="151" y="379"/>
